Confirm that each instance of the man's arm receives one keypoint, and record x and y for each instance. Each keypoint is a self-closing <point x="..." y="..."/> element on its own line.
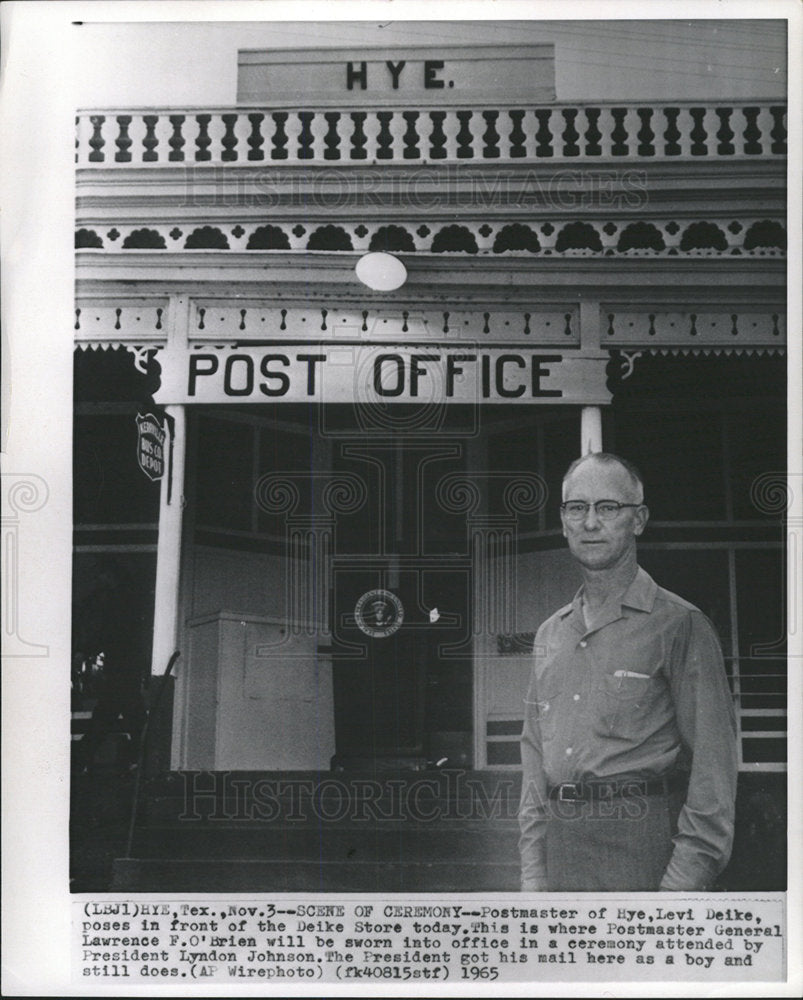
<point x="534" y="803"/>
<point x="705" y="718"/>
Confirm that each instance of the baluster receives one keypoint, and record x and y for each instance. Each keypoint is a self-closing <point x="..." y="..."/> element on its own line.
<point x="384" y="139"/>
<point x="424" y="126"/>
<point x="637" y="131"/>
<point x="437" y="136"/>
<point x="543" y="135"/>
<point x="529" y="126"/>
<point x="451" y="126"/>
<point x="305" y="137"/>
<point x="397" y="129"/>
<point x="685" y="125"/>
<point x="569" y="134"/>
<point x="229" y="139"/>
<point x="778" y="132"/>
<point x="190" y="132"/>
<point x="202" y="140"/>
<point x="667" y="133"/>
<point x="242" y="131"/>
<point x="711" y="124"/>
<point x="97" y="141"/>
<point x="765" y="125"/>
<point x="255" y="140"/>
<point x="504" y="128"/>
<point x="123" y="139"/>
<point x="632" y="125"/>
<point x="280" y="137"/>
<point x="149" y="140"/>
<point x="84" y="129"/>
<point x="319" y="127"/>
<point x="619" y="133"/>
<point x="331" y="136"/>
<point x="488" y="140"/>
<point x="410" y="139"/>
<point x="606" y="126"/>
<point x="738" y="124"/>
<point x="590" y="131"/>
<point x="354" y="138"/>
<point x="139" y="132"/>
<point x="467" y="140"/>
<point x="699" y="146"/>
<point x="371" y="128"/>
<point x="292" y="127"/>
<point x="724" y="133"/>
<point x="752" y="132"/>
<point x="518" y="136"/>
<point x="645" y="134"/>
<point x="216" y="130"/>
<point x="177" y="142"/>
<point x="163" y="130"/>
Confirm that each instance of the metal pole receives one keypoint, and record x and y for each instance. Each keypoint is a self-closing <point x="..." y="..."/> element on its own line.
<point x="168" y="557"/>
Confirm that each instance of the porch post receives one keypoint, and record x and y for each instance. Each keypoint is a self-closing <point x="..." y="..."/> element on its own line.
<point x="590" y="429"/>
<point x="590" y="416"/>
<point x="168" y="557"/>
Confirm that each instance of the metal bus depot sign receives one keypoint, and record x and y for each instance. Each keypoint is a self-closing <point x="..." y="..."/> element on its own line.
<point x="150" y="446"/>
<point x="381" y="373"/>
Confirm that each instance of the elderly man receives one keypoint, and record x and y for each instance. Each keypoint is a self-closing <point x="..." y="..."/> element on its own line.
<point x="628" y="748"/>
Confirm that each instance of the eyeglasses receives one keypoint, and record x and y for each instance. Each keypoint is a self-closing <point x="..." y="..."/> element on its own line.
<point x="606" y="510"/>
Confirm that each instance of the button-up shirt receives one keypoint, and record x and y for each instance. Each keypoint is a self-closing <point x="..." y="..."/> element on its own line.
<point x="639" y="694"/>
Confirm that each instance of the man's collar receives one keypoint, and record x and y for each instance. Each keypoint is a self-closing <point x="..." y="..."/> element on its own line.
<point x="641" y="592"/>
<point x="640" y="595"/>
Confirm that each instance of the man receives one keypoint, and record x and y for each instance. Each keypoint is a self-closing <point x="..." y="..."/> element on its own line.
<point x="628" y="748"/>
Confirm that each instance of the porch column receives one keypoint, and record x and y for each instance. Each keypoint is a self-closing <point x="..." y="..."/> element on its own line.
<point x="168" y="557"/>
<point x="590" y="429"/>
<point x="590" y="416"/>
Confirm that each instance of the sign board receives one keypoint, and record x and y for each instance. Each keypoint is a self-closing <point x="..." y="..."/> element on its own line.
<point x="441" y="76"/>
<point x="150" y="446"/>
<point x="381" y="373"/>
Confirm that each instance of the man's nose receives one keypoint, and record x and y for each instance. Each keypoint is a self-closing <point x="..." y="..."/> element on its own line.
<point x="591" y="520"/>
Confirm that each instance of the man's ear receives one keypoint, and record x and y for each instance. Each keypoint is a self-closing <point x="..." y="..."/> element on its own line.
<point x="642" y="515"/>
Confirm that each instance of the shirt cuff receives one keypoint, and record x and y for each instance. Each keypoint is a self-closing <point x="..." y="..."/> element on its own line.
<point x="690" y="875"/>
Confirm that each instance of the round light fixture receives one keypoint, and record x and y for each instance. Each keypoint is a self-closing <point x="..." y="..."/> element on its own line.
<point x="381" y="271"/>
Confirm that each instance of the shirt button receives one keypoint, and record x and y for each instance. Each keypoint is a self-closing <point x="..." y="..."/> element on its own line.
<point x="576" y="697"/>
<point x="569" y="751"/>
<point x="583" y="644"/>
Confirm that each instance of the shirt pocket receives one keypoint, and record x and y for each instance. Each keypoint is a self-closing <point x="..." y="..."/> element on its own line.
<point x="626" y="704"/>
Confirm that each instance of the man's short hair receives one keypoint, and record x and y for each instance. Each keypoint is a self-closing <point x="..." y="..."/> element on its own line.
<point x="608" y="458"/>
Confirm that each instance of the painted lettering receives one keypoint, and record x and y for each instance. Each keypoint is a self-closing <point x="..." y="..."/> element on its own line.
<point x="281" y="377"/>
<point x="395" y="71"/>
<point x="356" y="76"/>
<point x="210" y="363"/>
<point x="431" y="81"/>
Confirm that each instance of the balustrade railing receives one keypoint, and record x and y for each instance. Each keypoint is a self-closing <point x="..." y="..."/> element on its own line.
<point x="554" y="133"/>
